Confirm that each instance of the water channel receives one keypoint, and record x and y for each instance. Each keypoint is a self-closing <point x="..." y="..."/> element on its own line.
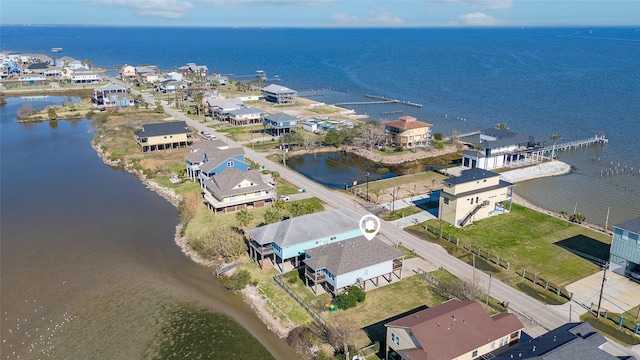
<point x="89" y="266"/>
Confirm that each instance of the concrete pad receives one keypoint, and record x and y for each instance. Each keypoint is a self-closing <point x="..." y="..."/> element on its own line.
<point x="620" y="294"/>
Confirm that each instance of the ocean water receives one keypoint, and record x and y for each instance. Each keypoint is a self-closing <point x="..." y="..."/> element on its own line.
<point x="569" y="81"/>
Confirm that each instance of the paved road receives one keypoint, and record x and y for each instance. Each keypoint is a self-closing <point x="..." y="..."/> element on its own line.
<point x="541" y="317"/>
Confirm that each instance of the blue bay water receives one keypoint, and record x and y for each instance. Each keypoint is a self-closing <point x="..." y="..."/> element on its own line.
<point x="570" y="81"/>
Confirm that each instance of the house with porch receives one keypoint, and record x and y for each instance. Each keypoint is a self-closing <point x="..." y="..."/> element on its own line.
<point x="84" y="76"/>
<point x="218" y="161"/>
<point x="192" y="68"/>
<point x="200" y="153"/>
<point x="337" y="266"/>
<point x="147" y="74"/>
<point x="279" y="94"/>
<point x="474" y="195"/>
<point x="625" y="249"/>
<point x="499" y="148"/>
<point x="245" y="116"/>
<point x="408" y="132"/>
<point x="280" y="123"/>
<point x="288" y="240"/>
<point x="109" y="95"/>
<point x="163" y="136"/>
<point x="127" y="73"/>
<point x="233" y="190"/>
<point x="220" y="108"/>
<point x="32" y="79"/>
<point x="455" y="329"/>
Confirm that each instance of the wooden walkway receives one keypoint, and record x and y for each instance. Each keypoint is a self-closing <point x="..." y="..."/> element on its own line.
<point x="598" y="139"/>
<point x="378" y="101"/>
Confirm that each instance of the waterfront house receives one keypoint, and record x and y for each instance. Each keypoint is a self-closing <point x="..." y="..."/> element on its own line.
<point x="279" y="94"/>
<point x="220" y="108"/>
<point x="53" y="72"/>
<point x="288" y="240"/>
<point x="500" y="148"/>
<point x="625" y="248"/>
<point x="112" y="96"/>
<point x="233" y="189"/>
<point x="217" y="80"/>
<point x="245" y="116"/>
<point x="310" y="126"/>
<point x="279" y="124"/>
<point x="163" y="136"/>
<point x="37" y="68"/>
<point x="220" y="160"/>
<point x="200" y="153"/>
<point x="32" y="79"/>
<point x="170" y="86"/>
<point x="474" y="195"/>
<point x="147" y="74"/>
<point x="408" y="132"/>
<point x="339" y="265"/>
<point x="455" y="329"/>
<point x="127" y="73"/>
<point x="572" y="341"/>
<point x="84" y="76"/>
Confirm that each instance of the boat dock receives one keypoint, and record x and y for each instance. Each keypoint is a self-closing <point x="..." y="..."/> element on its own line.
<point x="599" y="138"/>
<point x="379" y="101"/>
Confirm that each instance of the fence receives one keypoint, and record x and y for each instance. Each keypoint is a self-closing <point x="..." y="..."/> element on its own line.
<point x="556" y="289"/>
<point x="444" y="236"/>
<point x="617" y="319"/>
<point x="314" y="315"/>
<point x="430" y="278"/>
<point x="487" y="256"/>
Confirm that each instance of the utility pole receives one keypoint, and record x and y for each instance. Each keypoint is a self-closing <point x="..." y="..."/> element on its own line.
<point x="486" y="306"/>
<point x="604" y="278"/>
<point x="284" y="160"/>
<point x="367" y="174"/>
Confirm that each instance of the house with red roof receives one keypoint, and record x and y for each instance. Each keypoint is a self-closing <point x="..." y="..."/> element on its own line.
<point x="408" y="132"/>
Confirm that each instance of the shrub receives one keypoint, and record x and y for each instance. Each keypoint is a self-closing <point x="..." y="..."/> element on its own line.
<point x="292" y="277"/>
<point x="346" y="301"/>
<point x="357" y="292"/>
<point x="238" y="280"/>
<point x="398" y="148"/>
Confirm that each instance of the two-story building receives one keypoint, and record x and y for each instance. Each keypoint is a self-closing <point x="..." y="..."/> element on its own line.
<point x="245" y="116"/>
<point x="163" y="136"/>
<point x="84" y="76"/>
<point x="339" y="265"/>
<point x="625" y="248"/>
<point x="202" y="152"/>
<point x="408" y="132"/>
<point x="288" y="240"/>
<point x="112" y="96"/>
<point x="474" y="195"/>
<point x="233" y="190"/>
<point x="279" y="124"/>
<point x="279" y="94"/>
<point x="32" y="79"/>
<point x="127" y="73"/>
<point x="500" y="147"/>
<point x="220" y="108"/>
<point x="221" y="160"/>
<point x="455" y="329"/>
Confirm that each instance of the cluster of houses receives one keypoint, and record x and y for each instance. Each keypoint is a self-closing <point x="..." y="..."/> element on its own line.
<point x="37" y="69"/>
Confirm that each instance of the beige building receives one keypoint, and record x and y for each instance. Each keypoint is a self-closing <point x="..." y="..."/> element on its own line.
<point x="408" y="132"/>
<point x="128" y="73"/>
<point x="474" y="195"/>
<point x="233" y="190"/>
<point x="163" y="136"/>
<point x="460" y="330"/>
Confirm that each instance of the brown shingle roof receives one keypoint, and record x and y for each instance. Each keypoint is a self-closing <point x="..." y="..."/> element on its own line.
<point x="440" y="329"/>
<point x="224" y="184"/>
<point x="406" y="123"/>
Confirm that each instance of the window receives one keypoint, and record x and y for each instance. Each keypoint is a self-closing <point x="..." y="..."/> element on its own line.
<point x="474" y="354"/>
<point x="493" y="345"/>
<point x="625" y="235"/>
<point x="445" y="200"/>
<point x="230" y="164"/>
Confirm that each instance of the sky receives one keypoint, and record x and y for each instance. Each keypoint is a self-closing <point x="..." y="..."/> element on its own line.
<point x="322" y="13"/>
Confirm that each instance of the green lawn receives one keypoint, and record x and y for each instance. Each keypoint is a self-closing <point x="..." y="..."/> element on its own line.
<point x="539" y="243"/>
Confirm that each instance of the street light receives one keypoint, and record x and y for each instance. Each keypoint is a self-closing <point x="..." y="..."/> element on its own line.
<point x="393" y="199"/>
<point x="367" y="174"/>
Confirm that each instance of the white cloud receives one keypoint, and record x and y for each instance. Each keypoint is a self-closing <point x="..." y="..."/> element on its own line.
<point x="168" y="9"/>
<point x="482" y="4"/>
<point x="297" y="3"/>
<point x="478" y="19"/>
<point x="378" y="17"/>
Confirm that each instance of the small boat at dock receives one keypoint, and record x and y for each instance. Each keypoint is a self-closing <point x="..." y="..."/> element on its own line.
<point x="56" y="50"/>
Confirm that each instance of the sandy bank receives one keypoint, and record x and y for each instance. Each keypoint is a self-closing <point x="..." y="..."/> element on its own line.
<point x="552" y="168"/>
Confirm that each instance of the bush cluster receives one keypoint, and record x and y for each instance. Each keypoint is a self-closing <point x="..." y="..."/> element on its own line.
<point x="350" y="299"/>
<point x="239" y="280"/>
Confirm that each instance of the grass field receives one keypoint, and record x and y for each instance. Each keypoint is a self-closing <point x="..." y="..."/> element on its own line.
<point x="552" y="248"/>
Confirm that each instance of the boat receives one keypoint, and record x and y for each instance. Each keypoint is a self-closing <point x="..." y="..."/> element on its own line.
<point x="56" y="50"/>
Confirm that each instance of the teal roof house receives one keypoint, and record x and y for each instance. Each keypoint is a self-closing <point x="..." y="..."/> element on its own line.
<point x="625" y="249"/>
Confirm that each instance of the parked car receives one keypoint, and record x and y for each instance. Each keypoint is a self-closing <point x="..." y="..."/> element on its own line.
<point x="284" y="197"/>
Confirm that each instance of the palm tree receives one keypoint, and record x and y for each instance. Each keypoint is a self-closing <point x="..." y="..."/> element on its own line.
<point x="276" y="176"/>
<point x="254" y="166"/>
<point x="272" y="215"/>
<point x="279" y="204"/>
<point x="244" y="217"/>
<point x="578" y="218"/>
<point x="554" y="139"/>
<point x="376" y="192"/>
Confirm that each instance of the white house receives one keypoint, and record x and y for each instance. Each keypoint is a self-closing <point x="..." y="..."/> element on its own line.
<point x="84" y="76"/>
<point x="310" y="126"/>
<point x="355" y="261"/>
<point x="499" y="148"/>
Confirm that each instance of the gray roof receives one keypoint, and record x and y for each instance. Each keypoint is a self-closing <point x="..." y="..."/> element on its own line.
<point x="110" y="87"/>
<point x="218" y="156"/>
<point x="280" y="117"/>
<point x="572" y="341"/>
<point x="631" y="225"/>
<point x="350" y="255"/>
<point x="245" y="111"/>
<point x="166" y="128"/>
<point x="277" y="89"/>
<point x="225" y="183"/>
<point x="470" y="175"/>
<point x="307" y="227"/>
<point x="226" y="103"/>
<point x="198" y="150"/>
<point x="505" y="137"/>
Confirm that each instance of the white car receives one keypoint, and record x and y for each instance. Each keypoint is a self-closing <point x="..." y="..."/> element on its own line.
<point x="284" y="197"/>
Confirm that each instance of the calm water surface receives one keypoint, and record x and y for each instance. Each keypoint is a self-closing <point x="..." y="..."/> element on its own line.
<point x="89" y="265"/>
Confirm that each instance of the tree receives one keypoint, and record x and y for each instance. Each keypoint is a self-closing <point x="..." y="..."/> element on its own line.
<point x="244" y="217"/>
<point x="279" y="204"/>
<point x="438" y="136"/>
<point x="356" y="291"/>
<point x="502" y="126"/>
<point x="342" y="333"/>
<point x="461" y="289"/>
<point x="239" y="280"/>
<point x="375" y="191"/>
<point x="88" y="63"/>
<point x="25" y="110"/>
<point x="346" y="301"/>
<point x="222" y="244"/>
<point x="254" y="166"/>
<point x="51" y="113"/>
<point x="158" y="109"/>
<point x="371" y="133"/>
<point x="554" y="138"/>
<point x="333" y="137"/>
<point x="309" y="141"/>
<point x="578" y="218"/>
<point x="276" y="176"/>
<point x="197" y="99"/>
<point x="272" y="215"/>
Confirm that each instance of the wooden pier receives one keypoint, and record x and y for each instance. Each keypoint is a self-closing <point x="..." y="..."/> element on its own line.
<point x="379" y="101"/>
<point x="598" y="139"/>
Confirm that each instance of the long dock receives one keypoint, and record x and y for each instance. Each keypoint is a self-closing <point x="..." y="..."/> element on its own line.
<point x="379" y="101"/>
<point x="598" y="139"/>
